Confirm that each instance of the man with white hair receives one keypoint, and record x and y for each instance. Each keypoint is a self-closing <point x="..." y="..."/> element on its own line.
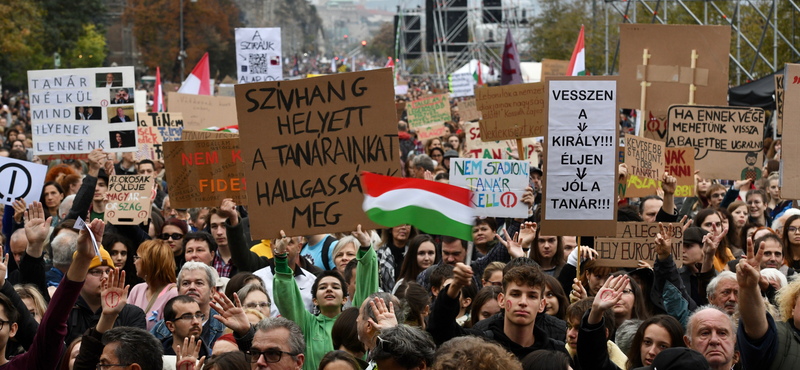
<point x="723" y="292"/>
<point x="711" y="332"/>
<point x="66" y="205"/>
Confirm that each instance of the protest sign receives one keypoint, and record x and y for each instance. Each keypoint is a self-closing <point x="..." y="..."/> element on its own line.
<point x="496" y="186"/>
<point x="428" y="115"/>
<point x="581" y="169"/>
<point x="203" y="111"/>
<point x="70" y="110"/>
<point x="477" y="148"/>
<point x="400" y="108"/>
<point x="204" y="172"/>
<point x="153" y="130"/>
<point x="668" y="71"/>
<point x="679" y="162"/>
<point x="554" y="67"/>
<point x="128" y="199"/>
<point x="468" y="110"/>
<point x="189" y="135"/>
<point x="401" y="89"/>
<point x="20" y="179"/>
<point x="728" y="141"/>
<point x="645" y="161"/>
<point x="512" y="111"/>
<point x="304" y="160"/>
<point x="462" y="84"/>
<point x="655" y="125"/>
<point x="779" y="93"/>
<point x="258" y="54"/>
<point x="790" y="144"/>
<point x="635" y="241"/>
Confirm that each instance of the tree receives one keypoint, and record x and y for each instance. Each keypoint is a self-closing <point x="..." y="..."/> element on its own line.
<point x="20" y="44"/>
<point x="382" y="45"/>
<point x="64" y="20"/>
<point x="89" y="50"/>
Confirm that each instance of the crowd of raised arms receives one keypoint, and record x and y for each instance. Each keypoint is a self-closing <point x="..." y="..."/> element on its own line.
<point x="190" y="289"/>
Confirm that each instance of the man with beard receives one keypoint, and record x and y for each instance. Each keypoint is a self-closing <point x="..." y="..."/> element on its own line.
<point x="184" y="319"/>
<point x="723" y="292"/>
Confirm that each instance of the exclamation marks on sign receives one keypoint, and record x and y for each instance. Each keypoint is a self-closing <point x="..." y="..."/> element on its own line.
<point x="11" y="186"/>
<point x="604" y="203"/>
<point x="606" y="140"/>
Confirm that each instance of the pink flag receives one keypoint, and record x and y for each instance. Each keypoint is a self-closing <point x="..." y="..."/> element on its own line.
<point x="198" y="82"/>
<point x="158" y="103"/>
<point x="511" y="70"/>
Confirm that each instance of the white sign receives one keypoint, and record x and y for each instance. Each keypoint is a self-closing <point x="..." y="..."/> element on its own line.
<point x="496" y="186"/>
<point x="20" y="179"/>
<point x="74" y="111"/>
<point x="401" y="89"/>
<point x="258" y="54"/>
<point x="462" y="84"/>
<point x="582" y="150"/>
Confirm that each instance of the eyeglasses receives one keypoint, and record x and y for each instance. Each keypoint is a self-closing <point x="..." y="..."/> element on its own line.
<point x="101" y="366"/>
<point x="718" y="195"/>
<point x="190" y="317"/>
<point x="2" y="323"/>
<point x="270" y="355"/>
<point x="174" y="236"/>
<point x="257" y="305"/>
<point x="99" y="273"/>
<point x="792" y="229"/>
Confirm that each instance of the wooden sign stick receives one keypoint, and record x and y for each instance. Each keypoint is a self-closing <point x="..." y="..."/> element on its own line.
<point x="645" y="84"/>
<point x="692" y="87"/>
<point x="521" y="150"/>
<point x="578" y="268"/>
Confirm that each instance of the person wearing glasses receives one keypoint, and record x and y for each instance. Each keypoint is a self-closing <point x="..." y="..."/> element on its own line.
<point x="172" y="233"/>
<point x="87" y="310"/>
<point x="154" y="263"/>
<point x="254" y="296"/>
<point x="184" y="320"/>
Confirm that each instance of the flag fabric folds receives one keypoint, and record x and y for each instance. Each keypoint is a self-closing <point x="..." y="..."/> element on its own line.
<point x="512" y="73"/>
<point x="158" y="103"/>
<point x="577" y="64"/>
<point x="198" y="82"/>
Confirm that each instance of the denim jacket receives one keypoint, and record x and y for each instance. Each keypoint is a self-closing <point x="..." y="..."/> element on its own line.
<point x="212" y="330"/>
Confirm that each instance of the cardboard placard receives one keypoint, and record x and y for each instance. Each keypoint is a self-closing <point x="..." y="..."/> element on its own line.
<point x="153" y="130"/>
<point x="303" y="162"/>
<point x="679" y="162"/>
<point x="554" y="68"/>
<point x="655" y="125"/>
<point x="645" y="161"/>
<point x="204" y="172"/>
<point x="790" y="144"/>
<point x="496" y="186"/>
<point x="728" y="141"/>
<point x="20" y="179"/>
<point x="670" y="49"/>
<point x="428" y="115"/>
<point x="190" y="135"/>
<point x="203" y="111"/>
<point x="400" y="108"/>
<point x="128" y="199"/>
<point x="779" y="94"/>
<point x="477" y="148"/>
<point x="258" y="54"/>
<point x="462" y="84"/>
<point x="512" y="111"/>
<point x="582" y="115"/>
<point x="468" y="110"/>
<point x="636" y="241"/>
<point x="70" y="110"/>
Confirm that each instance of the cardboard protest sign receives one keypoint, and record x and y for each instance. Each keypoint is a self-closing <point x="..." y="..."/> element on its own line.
<point x="655" y="125"/>
<point x="20" y="179"/>
<point x="462" y="84"/>
<point x="512" y="111"/>
<point x="204" y="172"/>
<point x="400" y="108"/>
<point x="580" y="179"/>
<point x="496" y="186"/>
<point x="728" y="141"/>
<point x="304" y="160"/>
<point x="554" y="68"/>
<point x="203" y="111"/>
<point x="645" y="161"/>
<point x="428" y="115"/>
<point x="189" y="135"/>
<point x="790" y="144"/>
<point x="468" y="110"/>
<point x="668" y="71"/>
<point x="128" y="199"/>
<point x="153" y="130"/>
<point x="70" y="110"/>
<point x="635" y="241"/>
<point x="679" y="162"/>
<point x="258" y="54"/>
<point x="779" y="93"/>
<point x="477" y="148"/>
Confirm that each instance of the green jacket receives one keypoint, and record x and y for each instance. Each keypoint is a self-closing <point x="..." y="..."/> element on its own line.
<point x="317" y="329"/>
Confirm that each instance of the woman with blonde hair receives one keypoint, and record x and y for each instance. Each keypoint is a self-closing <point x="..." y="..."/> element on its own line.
<point x="32" y="299"/>
<point x="155" y="264"/>
<point x="474" y="353"/>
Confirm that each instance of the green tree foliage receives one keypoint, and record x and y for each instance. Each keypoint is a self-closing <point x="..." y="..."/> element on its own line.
<point x="20" y="44"/>
<point x="89" y="50"/>
<point x="63" y="22"/>
<point x="382" y="45"/>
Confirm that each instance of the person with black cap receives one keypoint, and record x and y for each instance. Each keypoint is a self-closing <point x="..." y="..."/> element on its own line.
<point x="451" y="153"/>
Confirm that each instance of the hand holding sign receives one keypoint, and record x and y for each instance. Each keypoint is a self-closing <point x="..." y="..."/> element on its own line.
<point x="94" y="231"/>
<point x="19" y="209"/>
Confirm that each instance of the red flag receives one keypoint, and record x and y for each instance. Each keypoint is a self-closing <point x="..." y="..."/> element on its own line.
<point x="511" y="69"/>
<point x="198" y="82"/>
<point x="158" y="100"/>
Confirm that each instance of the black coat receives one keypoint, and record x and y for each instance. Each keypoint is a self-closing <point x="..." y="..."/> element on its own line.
<point x="82" y="319"/>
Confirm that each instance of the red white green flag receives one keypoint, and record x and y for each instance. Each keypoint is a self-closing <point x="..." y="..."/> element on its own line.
<point x="433" y="207"/>
<point x="577" y="64"/>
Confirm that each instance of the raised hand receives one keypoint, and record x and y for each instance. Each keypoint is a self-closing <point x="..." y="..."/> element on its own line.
<point x="385" y="316"/>
<point x="512" y="244"/>
<point x="282" y="245"/>
<point x="663" y="241"/>
<point x="528" y="197"/>
<point x="228" y="209"/>
<point x="623" y="171"/>
<point x="19" y="209"/>
<point x="428" y="175"/>
<point x="231" y="315"/>
<point x="607" y="297"/>
<point x="96" y="160"/>
<point x="85" y="246"/>
<point x="186" y="358"/>
<point x="669" y="183"/>
<point x="578" y="292"/>
<point x="108" y="166"/>
<point x="114" y="295"/>
<point x="3" y="269"/>
<point x="512" y="149"/>
<point x="362" y="236"/>
<point x="36" y="227"/>
<point x="685" y="223"/>
<point x="711" y="240"/>
<point x="748" y="271"/>
<point x="527" y="232"/>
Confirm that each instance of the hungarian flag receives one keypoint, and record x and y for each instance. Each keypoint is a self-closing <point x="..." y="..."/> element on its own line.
<point x="433" y="207"/>
<point x="577" y="64"/>
<point x="158" y="103"/>
<point x="198" y="82"/>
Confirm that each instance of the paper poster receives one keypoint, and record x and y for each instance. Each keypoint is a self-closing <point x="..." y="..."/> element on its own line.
<point x="581" y="171"/>
<point x="477" y="148"/>
<point x="635" y="241"/>
<point x="304" y="161"/>
<point x="401" y="89"/>
<point x="790" y="144"/>
<point x="468" y="110"/>
<point x="153" y="130"/>
<point x="668" y="71"/>
<point x="20" y="179"/>
<point x="728" y="141"/>
<point x="203" y="111"/>
<point x="554" y="67"/>
<point x="189" y="135"/>
<point x="461" y="85"/>
<point x="74" y="111"/>
<point x="779" y="94"/>
<point x="428" y="115"/>
<point x="258" y="54"/>
<point x="645" y="161"/>
<point x="128" y="199"/>
<point x="512" y="111"/>
<point x="496" y="186"/>
<point x="679" y="162"/>
<point x="655" y="126"/>
<point x="204" y="172"/>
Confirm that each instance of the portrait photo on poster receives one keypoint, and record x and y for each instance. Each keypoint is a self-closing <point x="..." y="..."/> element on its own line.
<point x="122" y="139"/>
<point x="120" y="114"/>
<point x="110" y="79"/>
<point x="86" y="113"/>
<point x="122" y="95"/>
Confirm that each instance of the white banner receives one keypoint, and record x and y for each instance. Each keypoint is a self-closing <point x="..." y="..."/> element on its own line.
<point x="496" y="186"/>
<point x="21" y="179"/>
<point x="258" y="54"/>
<point x="462" y="84"/>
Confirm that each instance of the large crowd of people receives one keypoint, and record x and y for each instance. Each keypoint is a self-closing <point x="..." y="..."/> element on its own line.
<point x="191" y="289"/>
